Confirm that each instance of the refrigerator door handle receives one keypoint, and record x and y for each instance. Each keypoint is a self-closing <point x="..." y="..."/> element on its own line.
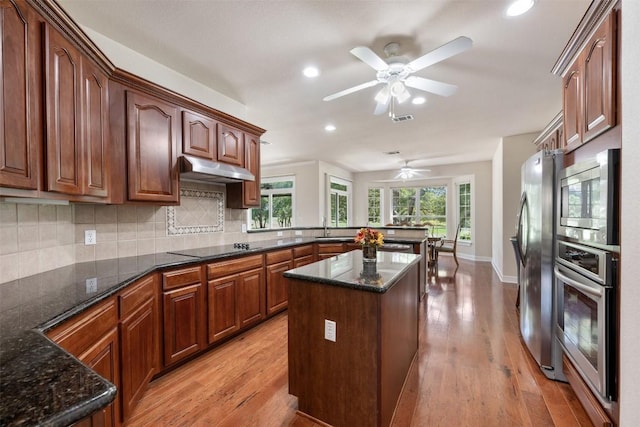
<point x="522" y="244"/>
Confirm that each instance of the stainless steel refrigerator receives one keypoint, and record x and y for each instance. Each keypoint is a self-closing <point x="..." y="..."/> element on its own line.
<point x="536" y="242"/>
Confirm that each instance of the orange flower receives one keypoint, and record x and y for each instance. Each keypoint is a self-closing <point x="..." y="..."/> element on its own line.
<point x="369" y="236"/>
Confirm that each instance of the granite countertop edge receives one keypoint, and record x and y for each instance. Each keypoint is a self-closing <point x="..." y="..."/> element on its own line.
<point x="24" y="348"/>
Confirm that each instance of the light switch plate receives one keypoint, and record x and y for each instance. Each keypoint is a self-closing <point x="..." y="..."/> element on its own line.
<point x="298" y="232"/>
<point x="279" y="234"/>
<point x="89" y="237"/>
<point x="329" y="330"/>
<point x="391" y="231"/>
<point x="244" y="228"/>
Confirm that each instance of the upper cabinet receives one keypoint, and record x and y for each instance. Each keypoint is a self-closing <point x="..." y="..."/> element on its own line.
<point x="230" y="145"/>
<point x="77" y="122"/>
<point x="550" y="138"/>
<point x="589" y="86"/>
<point x="247" y="193"/>
<point x="151" y="149"/>
<point x="199" y="135"/>
<point x="20" y="95"/>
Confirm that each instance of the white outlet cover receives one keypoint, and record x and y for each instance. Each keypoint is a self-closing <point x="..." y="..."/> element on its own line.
<point x="391" y="231"/>
<point x="298" y="232"/>
<point x="279" y="234"/>
<point x="244" y="228"/>
<point x="329" y="330"/>
<point x="89" y="237"/>
<point x="91" y="285"/>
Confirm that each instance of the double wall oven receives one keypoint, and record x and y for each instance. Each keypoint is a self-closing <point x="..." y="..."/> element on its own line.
<point x="586" y="270"/>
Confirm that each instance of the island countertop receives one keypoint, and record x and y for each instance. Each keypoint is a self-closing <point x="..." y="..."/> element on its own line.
<point x="347" y="270"/>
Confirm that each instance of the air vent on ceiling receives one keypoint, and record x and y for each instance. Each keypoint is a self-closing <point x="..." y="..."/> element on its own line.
<point x="397" y="119"/>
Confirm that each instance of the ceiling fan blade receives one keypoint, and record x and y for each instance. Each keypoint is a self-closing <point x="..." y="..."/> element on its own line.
<point x="383" y="97"/>
<point x="433" y="86"/>
<point x="350" y="90"/>
<point x="369" y="57"/>
<point x="441" y="53"/>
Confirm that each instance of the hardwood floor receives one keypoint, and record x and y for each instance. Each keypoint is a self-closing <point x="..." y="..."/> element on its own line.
<point x="471" y="369"/>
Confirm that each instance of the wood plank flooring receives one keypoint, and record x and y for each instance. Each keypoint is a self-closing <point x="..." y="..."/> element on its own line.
<point x="471" y="370"/>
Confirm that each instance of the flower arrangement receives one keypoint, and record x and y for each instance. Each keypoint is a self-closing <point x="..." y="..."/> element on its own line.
<point x="369" y="237"/>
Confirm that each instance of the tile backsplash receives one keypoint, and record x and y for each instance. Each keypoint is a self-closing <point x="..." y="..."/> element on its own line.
<point x="38" y="238"/>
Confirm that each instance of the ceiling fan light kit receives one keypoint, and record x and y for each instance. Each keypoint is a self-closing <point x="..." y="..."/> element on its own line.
<point x="395" y="73"/>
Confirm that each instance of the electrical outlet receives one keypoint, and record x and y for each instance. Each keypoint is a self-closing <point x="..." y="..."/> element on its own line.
<point x="391" y="231"/>
<point x="298" y="232"/>
<point x="244" y="228"/>
<point x="89" y="237"/>
<point x="279" y="234"/>
<point x="329" y="330"/>
<point x="91" y="285"/>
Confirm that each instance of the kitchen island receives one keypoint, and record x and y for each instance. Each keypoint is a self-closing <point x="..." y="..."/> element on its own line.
<point x="352" y="371"/>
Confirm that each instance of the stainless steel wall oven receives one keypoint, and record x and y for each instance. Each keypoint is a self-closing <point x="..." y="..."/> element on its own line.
<point x="585" y="291"/>
<point x="588" y="200"/>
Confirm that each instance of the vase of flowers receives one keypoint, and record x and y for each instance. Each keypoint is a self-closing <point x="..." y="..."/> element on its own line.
<point x="369" y="239"/>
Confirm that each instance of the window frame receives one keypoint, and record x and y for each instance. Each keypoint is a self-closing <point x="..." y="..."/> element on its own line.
<point x="348" y="193"/>
<point x="380" y="206"/>
<point x="417" y="215"/>
<point x="458" y="182"/>
<point x="270" y="193"/>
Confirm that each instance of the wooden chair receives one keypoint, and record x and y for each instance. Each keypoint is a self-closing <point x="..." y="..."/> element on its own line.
<point x="449" y="246"/>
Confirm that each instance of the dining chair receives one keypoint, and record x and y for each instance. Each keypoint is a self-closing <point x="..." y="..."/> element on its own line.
<point x="449" y="246"/>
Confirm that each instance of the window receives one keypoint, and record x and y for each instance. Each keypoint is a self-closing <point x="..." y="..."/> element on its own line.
<point x="420" y="206"/>
<point x="374" y="217"/>
<point x="464" y="210"/>
<point x="276" y="204"/>
<point x="340" y="193"/>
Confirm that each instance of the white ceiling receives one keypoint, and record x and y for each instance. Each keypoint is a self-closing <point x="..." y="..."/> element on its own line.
<point x="254" y="52"/>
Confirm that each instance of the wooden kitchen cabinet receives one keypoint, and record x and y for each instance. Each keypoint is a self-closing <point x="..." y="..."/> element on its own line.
<point x="302" y="255"/>
<point x="230" y="145"/>
<point x="236" y="296"/>
<point x="77" y="121"/>
<point x="328" y="250"/>
<point x="246" y="194"/>
<point x="151" y="133"/>
<point x="199" y="135"/>
<point x="92" y="337"/>
<point x="184" y="313"/>
<point x="551" y="136"/>
<point x="21" y="96"/>
<point x="139" y="340"/>
<point x="277" y="286"/>
<point x="588" y="85"/>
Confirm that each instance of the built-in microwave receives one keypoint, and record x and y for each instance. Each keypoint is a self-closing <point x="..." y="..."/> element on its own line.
<point x="588" y="200"/>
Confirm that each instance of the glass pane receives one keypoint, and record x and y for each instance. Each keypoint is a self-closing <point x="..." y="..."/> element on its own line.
<point x="403" y="206"/>
<point x="342" y="210"/>
<point x="374" y="207"/>
<point x="334" y="209"/>
<point x="260" y="216"/>
<point x="433" y="209"/>
<point x="336" y="186"/>
<point x="281" y="211"/>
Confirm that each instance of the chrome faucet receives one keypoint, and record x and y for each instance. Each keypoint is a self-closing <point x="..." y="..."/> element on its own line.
<point x="326" y="229"/>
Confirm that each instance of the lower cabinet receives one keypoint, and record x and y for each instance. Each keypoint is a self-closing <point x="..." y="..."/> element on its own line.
<point x="236" y="290"/>
<point x="328" y="250"/>
<point x="277" y="291"/>
<point x="93" y="338"/>
<point x="140" y="341"/>
<point x="183" y="307"/>
<point x="302" y="255"/>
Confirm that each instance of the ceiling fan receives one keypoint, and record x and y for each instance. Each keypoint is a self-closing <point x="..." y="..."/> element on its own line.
<point x="396" y="72"/>
<point x="407" y="172"/>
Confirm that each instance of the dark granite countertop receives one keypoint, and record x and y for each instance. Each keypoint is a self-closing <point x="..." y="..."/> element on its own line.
<point x="348" y="270"/>
<point x="40" y="383"/>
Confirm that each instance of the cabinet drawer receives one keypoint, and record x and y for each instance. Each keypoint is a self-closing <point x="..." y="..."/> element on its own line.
<point x="85" y="329"/>
<point x="278" y="256"/>
<point x="225" y="268"/>
<point x="135" y="295"/>
<point x="301" y="251"/>
<point x="330" y="248"/>
<point x="182" y="277"/>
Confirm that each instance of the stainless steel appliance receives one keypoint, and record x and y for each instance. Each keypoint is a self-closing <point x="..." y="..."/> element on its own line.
<point x="536" y="233"/>
<point x="585" y="312"/>
<point x="589" y="200"/>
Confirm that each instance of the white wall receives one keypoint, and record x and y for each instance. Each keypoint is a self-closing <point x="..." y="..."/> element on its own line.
<point x="630" y="250"/>
<point x="479" y="172"/>
<point x="497" y="204"/>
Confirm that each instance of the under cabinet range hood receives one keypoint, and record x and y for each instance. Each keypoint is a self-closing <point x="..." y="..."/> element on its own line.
<point x="208" y="171"/>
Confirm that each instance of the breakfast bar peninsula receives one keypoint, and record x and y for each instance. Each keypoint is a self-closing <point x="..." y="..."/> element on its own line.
<point x="353" y="335"/>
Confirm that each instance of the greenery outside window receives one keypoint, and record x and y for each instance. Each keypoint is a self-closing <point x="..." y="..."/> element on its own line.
<point x="276" y="204"/>
<point x="464" y="210"/>
<point x="374" y="214"/>
<point x="420" y="206"/>
<point x="340" y="194"/>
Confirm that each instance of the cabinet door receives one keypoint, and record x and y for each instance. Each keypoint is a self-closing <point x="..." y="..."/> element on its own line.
<point x="599" y="91"/>
<point x="183" y="323"/>
<point x="103" y="358"/>
<point x="223" y="317"/>
<point x="299" y="262"/>
<point x="230" y="145"/>
<point x="277" y="290"/>
<point x="95" y="130"/>
<point x="571" y="104"/>
<point x="151" y="147"/>
<point x="62" y="89"/>
<point x="19" y="96"/>
<point x="198" y="135"/>
<point x="251" y="190"/>
<point x="251" y="290"/>
<point x="138" y="345"/>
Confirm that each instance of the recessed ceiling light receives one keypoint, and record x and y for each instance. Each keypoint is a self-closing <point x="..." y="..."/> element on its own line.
<point x="329" y="128"/>
<point x="311" y="72"/>
<point x="518" y="7"/>
<point x="419" y="100"/>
